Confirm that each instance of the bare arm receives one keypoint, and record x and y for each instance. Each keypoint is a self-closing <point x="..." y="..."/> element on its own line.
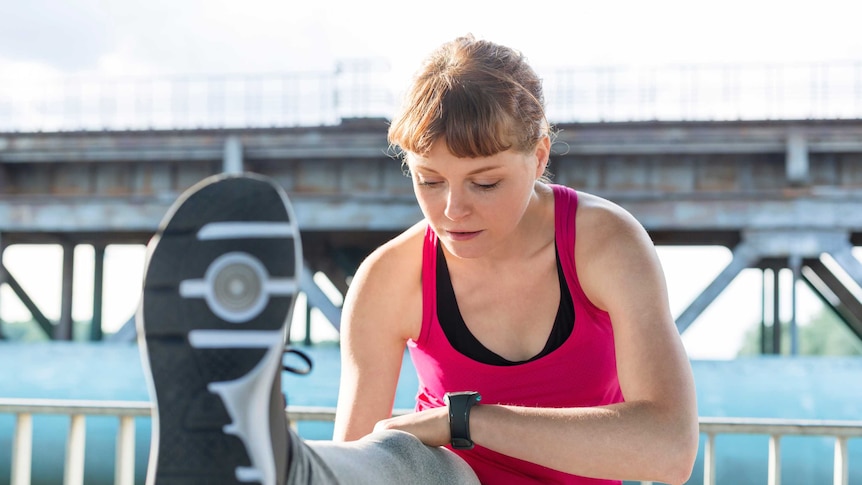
<point x="651" y="436"/>
<point x="381" y="311"/>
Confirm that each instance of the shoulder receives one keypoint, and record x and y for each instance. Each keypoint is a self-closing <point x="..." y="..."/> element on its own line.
<point x="595" y="217"/>
<point x="599" y="218"/>
<point x="387" y="287"/>
<point x="399" y="258"/>
<point x="611" y="246"/>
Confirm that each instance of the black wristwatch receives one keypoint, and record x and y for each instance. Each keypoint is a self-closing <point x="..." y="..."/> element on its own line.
<point x="459" y="404"/>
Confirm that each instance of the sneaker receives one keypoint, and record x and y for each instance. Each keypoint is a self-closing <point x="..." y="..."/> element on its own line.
<point x="221" y="278"/>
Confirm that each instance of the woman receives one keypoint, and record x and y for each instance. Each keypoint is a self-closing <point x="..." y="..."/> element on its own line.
<point x="536" y="317"/>
<point x="549" y="303"/>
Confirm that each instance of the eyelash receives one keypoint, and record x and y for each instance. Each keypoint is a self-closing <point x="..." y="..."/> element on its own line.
<point x="487" y="186"/>
<point x="479" y="186"/>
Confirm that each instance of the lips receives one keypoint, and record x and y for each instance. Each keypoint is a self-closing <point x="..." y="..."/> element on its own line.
<point x="462" y="235"/>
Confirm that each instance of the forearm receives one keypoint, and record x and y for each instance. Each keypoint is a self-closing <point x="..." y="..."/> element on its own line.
<point x="634" y="440"/>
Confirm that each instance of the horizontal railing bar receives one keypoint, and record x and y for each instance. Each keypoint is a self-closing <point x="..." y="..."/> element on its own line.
<point x="63" y="406"/>
<point x="324" y="413"/>
<point x="712" y="425"/>
<point x="775" y="428"/>
<point x="778" y="426"/>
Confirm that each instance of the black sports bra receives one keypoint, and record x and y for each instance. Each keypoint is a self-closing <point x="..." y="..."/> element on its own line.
<point x="464" y="342"/>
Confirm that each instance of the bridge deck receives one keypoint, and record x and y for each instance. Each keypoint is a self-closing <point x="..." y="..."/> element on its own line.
<point x="774" y="191"/>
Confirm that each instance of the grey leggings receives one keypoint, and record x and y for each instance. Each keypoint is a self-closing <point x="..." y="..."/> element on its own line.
<point x="381" y="458"/>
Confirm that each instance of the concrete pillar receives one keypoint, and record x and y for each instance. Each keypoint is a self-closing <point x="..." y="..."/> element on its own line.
<point x="776" y="311"/>
<point x="63" y="330"/>
<point x="795" y="264"/>
<point x="232" y="161"/>
<point x="98" y="293"/>
<point x="797" y="158"/>
<point x="2" y="280"/>
<point x="763" y="328"/>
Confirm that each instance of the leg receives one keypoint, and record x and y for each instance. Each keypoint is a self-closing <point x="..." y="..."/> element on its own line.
<point x="219" y="289"/>
<point x="221" y="276"/>
<point x="392" y="457"/>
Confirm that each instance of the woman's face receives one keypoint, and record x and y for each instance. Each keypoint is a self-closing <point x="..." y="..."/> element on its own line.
<point x="473" y="204"/>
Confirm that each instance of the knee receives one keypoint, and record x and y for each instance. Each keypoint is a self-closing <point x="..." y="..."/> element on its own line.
<point x="393" y="439"/>
<point x="432" y="464"/>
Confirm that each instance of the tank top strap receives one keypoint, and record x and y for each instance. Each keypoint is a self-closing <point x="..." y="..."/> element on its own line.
<point x="429" y="282"/>
<point x="565" y="209"/>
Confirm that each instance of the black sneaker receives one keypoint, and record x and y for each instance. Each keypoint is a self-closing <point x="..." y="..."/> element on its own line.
<point x="221" y="277"/>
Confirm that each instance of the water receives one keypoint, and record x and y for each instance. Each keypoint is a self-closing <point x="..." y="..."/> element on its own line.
<point x="776" y="387"/>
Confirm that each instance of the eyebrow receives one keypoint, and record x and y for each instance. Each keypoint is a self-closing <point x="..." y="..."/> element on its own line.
<point x="472" y="172"/>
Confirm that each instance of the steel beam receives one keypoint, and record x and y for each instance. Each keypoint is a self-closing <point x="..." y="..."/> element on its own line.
<point x="41" y="320"/>
<point x="834" y="294"/>
<point x="844" y="257"/>
<point x="744" y="256"/>
<point x="317" y="298"/>
<point x="397" y="212"/>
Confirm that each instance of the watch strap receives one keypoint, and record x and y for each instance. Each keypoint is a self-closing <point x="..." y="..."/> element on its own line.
<point x="459" y="404"/>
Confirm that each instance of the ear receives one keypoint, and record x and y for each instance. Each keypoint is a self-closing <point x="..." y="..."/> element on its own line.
<point x="542" y="153"/>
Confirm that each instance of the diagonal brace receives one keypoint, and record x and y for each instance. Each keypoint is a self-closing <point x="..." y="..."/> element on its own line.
<point x="744" y="256"/>
<point x="41" y="319"/>
<point x="844" y="257"/>
<point x="318" y="299"/>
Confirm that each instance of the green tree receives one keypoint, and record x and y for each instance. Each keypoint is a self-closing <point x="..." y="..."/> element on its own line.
<point x="824" y="335"/>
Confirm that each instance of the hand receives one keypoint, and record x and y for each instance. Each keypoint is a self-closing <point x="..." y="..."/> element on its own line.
<point x="430" y="426"/>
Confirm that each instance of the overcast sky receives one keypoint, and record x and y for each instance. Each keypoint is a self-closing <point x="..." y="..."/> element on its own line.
<point x="175" y="37"/>
<point x="118" y="37"/>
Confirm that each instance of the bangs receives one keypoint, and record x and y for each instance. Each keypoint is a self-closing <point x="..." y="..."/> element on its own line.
<point x="478" y="97"/>
<point x="474" y="125"/>
<point x="466" y="117"/>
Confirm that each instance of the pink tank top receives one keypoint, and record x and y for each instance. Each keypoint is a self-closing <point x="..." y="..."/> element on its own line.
<point x="581" y="372"/>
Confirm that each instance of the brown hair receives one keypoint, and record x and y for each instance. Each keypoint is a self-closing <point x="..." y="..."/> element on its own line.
<point x="481" y="98"/>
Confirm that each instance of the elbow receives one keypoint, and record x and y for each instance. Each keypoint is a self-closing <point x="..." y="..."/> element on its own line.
<point x="682" y="453"/>
<point x="679" y="474"/>
<point x="677" y="469"/>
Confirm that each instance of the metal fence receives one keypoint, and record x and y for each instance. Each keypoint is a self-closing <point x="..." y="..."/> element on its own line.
<point x="707" y="92"/>
<point x="360" y="88"/>
<point x="126" y="412"/>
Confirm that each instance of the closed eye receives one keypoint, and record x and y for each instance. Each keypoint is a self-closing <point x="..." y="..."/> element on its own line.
<point x="487" y="186"/>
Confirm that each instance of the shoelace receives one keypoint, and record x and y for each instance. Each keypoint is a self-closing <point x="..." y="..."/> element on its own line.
<point x="305" y="369"/>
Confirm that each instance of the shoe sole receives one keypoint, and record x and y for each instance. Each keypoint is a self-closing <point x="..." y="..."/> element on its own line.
<point x="219" y="288"/>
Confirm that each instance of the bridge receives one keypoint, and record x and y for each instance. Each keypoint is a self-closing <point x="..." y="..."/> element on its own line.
<point x="779" y="193"/>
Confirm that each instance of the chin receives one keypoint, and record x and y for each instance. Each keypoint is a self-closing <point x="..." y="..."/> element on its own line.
<point x="465" y="250"/>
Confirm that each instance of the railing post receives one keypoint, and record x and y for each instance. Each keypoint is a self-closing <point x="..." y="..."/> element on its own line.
<point x="124" y="473"/>
<point x="774" y="477"/>
<point x="22" y="449"/>
<point x="841" y="474"/>
<point x="709" y="460"/>
<point x="73" y="473"/>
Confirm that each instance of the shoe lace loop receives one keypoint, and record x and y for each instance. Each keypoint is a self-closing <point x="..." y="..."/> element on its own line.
<point x="307" y="366"/>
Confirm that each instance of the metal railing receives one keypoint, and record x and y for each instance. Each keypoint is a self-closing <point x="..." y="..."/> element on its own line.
<point x="73" y="470"/>
<point x="842" y="431"/>
<point x="361" y="89"/>
<point x="128" y="411"/>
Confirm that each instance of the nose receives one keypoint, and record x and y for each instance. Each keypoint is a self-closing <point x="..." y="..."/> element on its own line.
<point x="457" y="205"/>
